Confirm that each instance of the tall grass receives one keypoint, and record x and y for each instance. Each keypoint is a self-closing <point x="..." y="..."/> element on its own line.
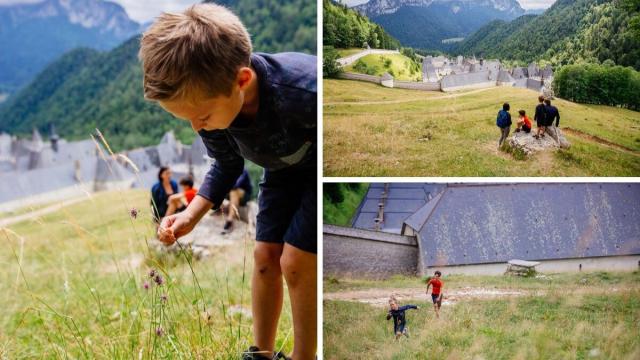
<point x="76" y="284"/>
<point x="596" y="319"/>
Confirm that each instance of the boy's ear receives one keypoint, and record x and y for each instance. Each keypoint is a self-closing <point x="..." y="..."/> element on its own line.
<point x="245" y="75"/>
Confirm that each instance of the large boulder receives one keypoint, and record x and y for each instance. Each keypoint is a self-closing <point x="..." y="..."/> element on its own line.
<point x="528" y="144"/>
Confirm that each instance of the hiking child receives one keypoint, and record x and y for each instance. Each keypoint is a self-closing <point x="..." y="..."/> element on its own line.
<point x="399" y="318"/>
<point x="540" y="117"/>
<point x="552" y="113"/>
<point x="178" y="202"/>
<point x="436" y="292"/>
<point x="199" y="66"/>
<point x="503" y="121"/>
<point x="523" y="123"/>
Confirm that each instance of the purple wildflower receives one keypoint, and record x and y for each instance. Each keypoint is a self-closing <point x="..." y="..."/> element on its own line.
<point x="152" y="273"/>
<point x="164" y="298"/>
<point x="146" y="285"/>
<point x="134" y="213"/>
<point x="159" y="331"/>
<point x="159" y="280"/>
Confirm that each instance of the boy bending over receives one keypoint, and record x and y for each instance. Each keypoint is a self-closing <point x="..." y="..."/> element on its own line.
<point x="199" y="66"/>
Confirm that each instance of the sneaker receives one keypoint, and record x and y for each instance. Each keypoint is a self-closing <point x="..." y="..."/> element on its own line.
<point x="280" y="355"/>
<point x="228" y="227"/>
<point x="536" y="136"/>
<point x="254" y="353"/>
<point x="518" y="130"/>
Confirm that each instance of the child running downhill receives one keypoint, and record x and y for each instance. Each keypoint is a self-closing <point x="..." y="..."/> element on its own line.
<point x="399" y="319"/>
<point x="436" y="293"/>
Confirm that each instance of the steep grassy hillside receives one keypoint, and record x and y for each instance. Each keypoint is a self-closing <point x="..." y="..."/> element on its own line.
<point x="72" y="285"/>
<point x="370" y="130"/>
<point x="398" y="65"/>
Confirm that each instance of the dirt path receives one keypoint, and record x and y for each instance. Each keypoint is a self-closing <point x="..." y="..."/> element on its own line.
<point x="380" y="297"/>
<point x="448" y="96"/>
<point x="40" y="212"/>
<point x="600" y="140"/>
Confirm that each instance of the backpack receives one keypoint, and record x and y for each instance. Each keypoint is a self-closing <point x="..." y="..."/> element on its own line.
<point x="503" y="119"/>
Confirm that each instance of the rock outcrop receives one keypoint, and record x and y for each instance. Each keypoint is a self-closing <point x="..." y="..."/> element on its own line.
<point x="553" y="139"/>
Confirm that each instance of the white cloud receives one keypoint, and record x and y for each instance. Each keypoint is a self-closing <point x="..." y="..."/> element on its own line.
<point x="13" y="2"/>
<point x="139" y="10"/>
<point x="536" y="4"/>
<point x="146" y="10"/>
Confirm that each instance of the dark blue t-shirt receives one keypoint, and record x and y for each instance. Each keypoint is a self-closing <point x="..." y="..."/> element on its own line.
<point x="282" y="135"/>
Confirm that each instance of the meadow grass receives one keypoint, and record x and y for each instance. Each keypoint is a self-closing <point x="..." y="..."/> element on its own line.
<point x="72" y="285"/>
<point x="370" y="130"/>
<point x="560" y="323"/>
<point x="342" y="213"/>
<point x="399" y="67"/>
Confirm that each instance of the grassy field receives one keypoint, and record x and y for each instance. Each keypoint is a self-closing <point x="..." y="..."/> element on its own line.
<point x="562" y="316"/>
<point x="370" y="130"/>
<point x="341" y="213"/>
<point x="397" y="65"/>
<point x="72" y="285"/>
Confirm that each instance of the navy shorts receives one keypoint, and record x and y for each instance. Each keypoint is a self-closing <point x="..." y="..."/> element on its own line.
<point x="287" y="208"/>
<point x="434" y="298"/>
<point x="399" y="328"/>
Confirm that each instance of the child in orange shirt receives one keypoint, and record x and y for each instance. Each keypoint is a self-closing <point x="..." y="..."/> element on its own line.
<point x="436" y="293"/>
<point x="523" y="122"/>
<point x="178" y="202"/>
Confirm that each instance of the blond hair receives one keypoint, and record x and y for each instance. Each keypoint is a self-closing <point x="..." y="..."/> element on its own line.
<point x="197" y="52"/>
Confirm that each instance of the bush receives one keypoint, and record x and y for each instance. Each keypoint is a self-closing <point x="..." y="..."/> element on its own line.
<point x="330" y="68"/>
<point x="599" y="84"/>
<point x="333" y="192"/>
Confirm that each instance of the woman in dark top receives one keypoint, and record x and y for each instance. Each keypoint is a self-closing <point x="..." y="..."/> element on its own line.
<point x="160" y="193"/>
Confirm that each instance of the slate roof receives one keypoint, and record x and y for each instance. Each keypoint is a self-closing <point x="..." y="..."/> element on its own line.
<point x="489" y="223"/>
<point x="455" y="80"/>
<point x="402" y="201"/>
<point x="505" y="77"/>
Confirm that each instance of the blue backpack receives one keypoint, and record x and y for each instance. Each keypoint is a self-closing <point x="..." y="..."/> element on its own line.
<point x="503" y="119"/>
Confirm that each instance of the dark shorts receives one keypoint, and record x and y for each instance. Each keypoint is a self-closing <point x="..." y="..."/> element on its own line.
<point x="399" y="328"/>
<point x="434" y="298"/>
<point x="526" y="128"/>
<point x="287" y="208"/>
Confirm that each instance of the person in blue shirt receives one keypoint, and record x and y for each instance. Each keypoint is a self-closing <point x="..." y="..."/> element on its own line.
<point x="399" y="318"/>
<point x="199" y="66"/>
<point x="503" y="121"/>
<point x="552" y="113"/>
<point x="160" y="193"/>
<point x="238" y="196"/>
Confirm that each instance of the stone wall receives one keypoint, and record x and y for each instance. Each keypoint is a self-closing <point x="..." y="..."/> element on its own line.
<point x="357" y="253"/>
<point x="360" y="77"/>
<point x="414" y="85"/>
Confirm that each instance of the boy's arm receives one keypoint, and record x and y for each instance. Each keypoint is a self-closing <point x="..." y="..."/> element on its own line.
<point x="225" y="170"/>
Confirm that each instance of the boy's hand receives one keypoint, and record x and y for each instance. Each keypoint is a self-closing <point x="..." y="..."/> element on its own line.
<point x="174" y="226"/>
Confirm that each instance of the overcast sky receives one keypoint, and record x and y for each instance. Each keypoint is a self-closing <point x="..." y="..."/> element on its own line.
<point x="139" y="10"/>
<point x="526" y="4"/>
<point x="145" y="10"/>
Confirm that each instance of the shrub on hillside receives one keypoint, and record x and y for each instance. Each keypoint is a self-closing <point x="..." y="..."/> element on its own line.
<point x="599" y="84"/>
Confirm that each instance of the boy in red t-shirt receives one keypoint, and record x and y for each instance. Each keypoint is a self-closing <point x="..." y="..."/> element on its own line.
<point x="436" y="293"/>
<point x="523" y="122"/>
<point x="179" y="202"/>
